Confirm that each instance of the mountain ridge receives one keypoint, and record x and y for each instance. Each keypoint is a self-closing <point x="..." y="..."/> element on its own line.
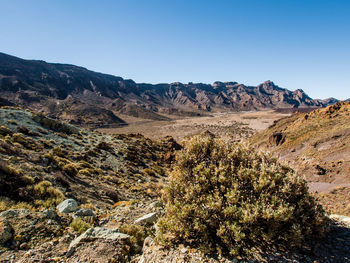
<point x="43" y="86"/>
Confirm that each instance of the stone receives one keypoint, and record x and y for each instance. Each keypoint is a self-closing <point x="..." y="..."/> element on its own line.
<point x="343" y="219"/>
<point x="156" y="205"/>
<point x="184" y="250"/>
<point x="14" y="212"/>
<point x="147" y="219"/>
<point x="98" y="233"/>
<point x="67" y="206"/>
<point x="84" y="212"/>
<point x="6" y="232"/>
<point x="49" y="213"/>
<point x="147" y="242"/>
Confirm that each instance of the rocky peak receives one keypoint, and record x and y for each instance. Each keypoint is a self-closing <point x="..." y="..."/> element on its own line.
<point x="37" y="84"/>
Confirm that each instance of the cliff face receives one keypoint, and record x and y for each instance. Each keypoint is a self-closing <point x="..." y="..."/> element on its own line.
<point x="57" y="88"/>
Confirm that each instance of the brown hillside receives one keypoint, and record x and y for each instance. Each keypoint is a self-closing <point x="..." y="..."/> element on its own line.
<point x="317" y="145"/>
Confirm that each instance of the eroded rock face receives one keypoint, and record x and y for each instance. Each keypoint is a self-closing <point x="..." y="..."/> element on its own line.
<point x="67" y="206"/>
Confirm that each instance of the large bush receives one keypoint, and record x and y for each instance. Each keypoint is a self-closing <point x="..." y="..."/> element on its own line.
<point x="229" y="198"/>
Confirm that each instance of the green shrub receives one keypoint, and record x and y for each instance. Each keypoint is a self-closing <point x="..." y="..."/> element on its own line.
<point x="9" y="169"/>
<point x="229" y="198"/>
<point x="137" y="233"/>
<point x="7" y="203"/>
<point x="70" y="169"/>
<point x="79" y="225"/>
<point x="149" y="172"/>
<point x="45" y="194"/>
<point x="5" y="131"/>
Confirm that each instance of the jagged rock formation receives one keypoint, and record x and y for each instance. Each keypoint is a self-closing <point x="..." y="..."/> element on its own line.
<point x="76" y="94"/>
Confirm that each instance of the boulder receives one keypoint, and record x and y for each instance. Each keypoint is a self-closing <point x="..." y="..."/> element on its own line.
<point x="14" y="212"/>
<point x="67" y="206"/>
<point x="84" y="212"/>
<point x="6" y="232"/>
<point x="147" y="219"/>
<point x="49" y="213"/>
<point x="97" y="233"/>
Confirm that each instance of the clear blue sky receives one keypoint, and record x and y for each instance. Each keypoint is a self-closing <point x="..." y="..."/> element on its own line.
<point x="295" y="43"/>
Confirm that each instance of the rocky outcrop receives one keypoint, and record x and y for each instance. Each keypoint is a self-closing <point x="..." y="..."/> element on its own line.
<point x="67" y="206"/>
<point x="97" y="233"/>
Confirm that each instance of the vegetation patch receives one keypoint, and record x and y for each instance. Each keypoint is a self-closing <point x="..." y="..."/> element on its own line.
<point x="79" y="225"/>
<point x="230" y="199"/>
<point x="138" y="233"/>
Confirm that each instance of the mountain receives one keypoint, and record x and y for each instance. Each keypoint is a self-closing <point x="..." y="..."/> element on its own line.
<point x="70" y="92"/>
<point x="317" y="146"/>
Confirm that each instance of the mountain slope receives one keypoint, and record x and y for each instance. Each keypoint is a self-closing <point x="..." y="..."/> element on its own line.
<point x="84" y="165"/>
<point x="53" y="88"/>
<point x="317" y="145"/>
<point x="114" y="179"/>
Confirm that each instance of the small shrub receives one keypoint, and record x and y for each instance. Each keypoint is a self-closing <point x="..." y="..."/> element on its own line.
<point x="228" y="198"/>
<point x="137" y="233"/>
<point x="12" y="122"/>
<point x="149" y="172"/>
<point x="70" y="169"/>
<point x="6" y="204"/>
<point x="88" y="206"/>
<point x="5" y="131"/>
<point x="79" y="225"/>
<point x="104" y="146"/>
<point x="9" y="169"/>
<point x="58" y="151"/>
<point x="27" y="142"/>
<point x="46" y="195"/>
<point x="84" y="164"/>
<point x="159" y="170"/>
<point x="28" y="179"/>
<point x="88" y="172"/>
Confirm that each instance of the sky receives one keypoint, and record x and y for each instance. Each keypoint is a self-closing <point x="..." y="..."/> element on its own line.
<point x="297" y="44"/>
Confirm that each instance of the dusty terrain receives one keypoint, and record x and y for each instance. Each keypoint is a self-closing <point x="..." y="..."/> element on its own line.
<point x="316" y="145"/>
<point x="116" y="180"/>
<point x="231" y="125"/>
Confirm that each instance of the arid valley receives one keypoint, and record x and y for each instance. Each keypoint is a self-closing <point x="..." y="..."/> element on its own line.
<point x="175" y="131"/>
<point x="229" y="125"/>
